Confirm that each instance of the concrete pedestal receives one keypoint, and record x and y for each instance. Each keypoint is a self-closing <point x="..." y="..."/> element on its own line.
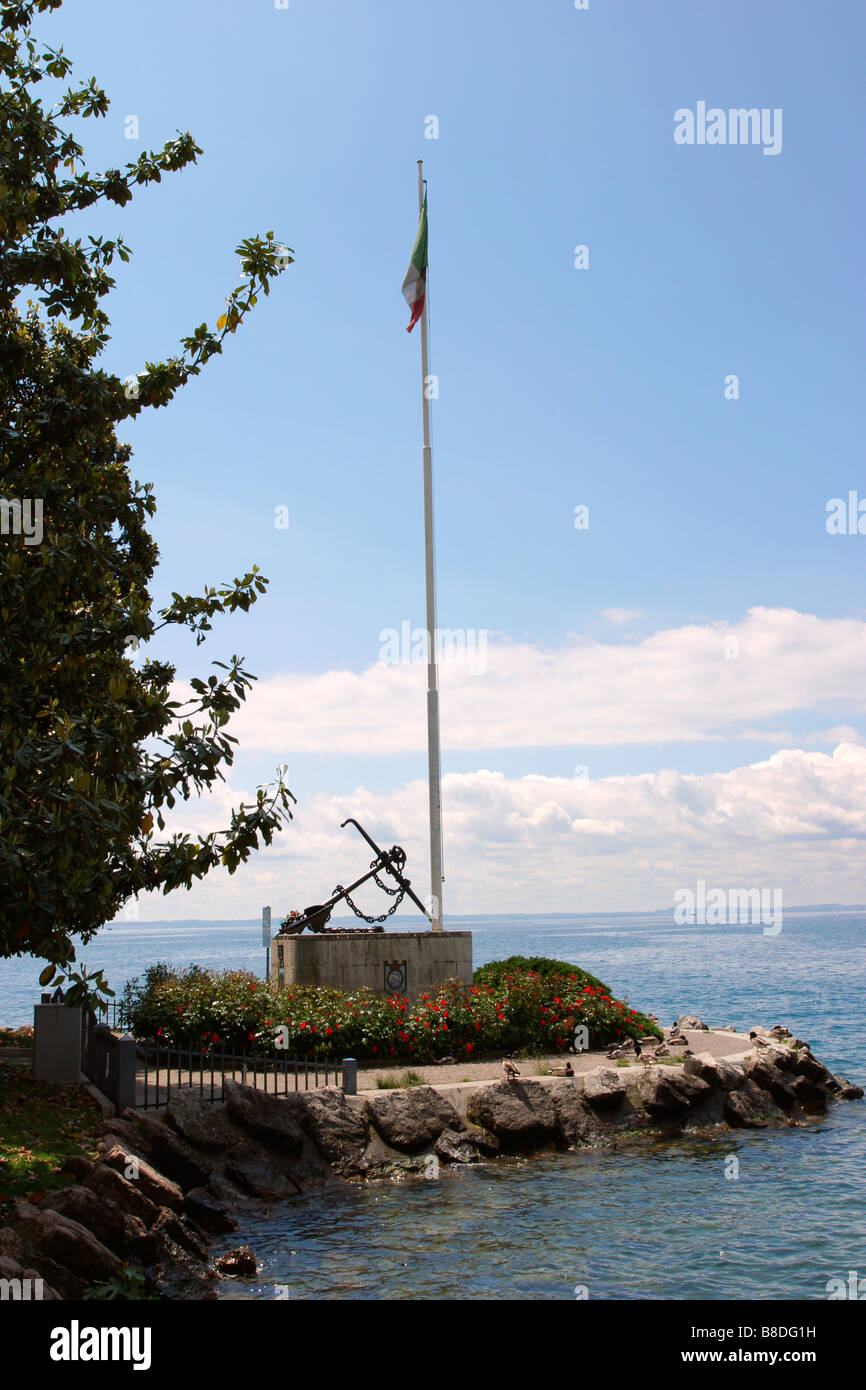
<point x="409" y="962"/>
<point x="57" y="1044"/>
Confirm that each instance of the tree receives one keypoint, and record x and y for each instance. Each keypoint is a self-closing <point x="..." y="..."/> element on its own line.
<point x="93" y="748"/>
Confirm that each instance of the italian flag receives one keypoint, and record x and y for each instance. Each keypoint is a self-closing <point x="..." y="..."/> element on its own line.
<point x="415" y="284"/>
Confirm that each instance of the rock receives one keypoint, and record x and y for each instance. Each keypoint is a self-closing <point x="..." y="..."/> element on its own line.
<point x="199" y="1122"/>
<point x="177" y="1228"/>
<point x="118" y="1130"/>
<point x="266" y="1116"/>
<point x="65" y="1242"/>
<point x="715" y="1071"/>
<point x="35" y="1282"/>
<point x="452" y="1146"/>
<point x="171" y="1155"/>
<point x="690" y="1021"/>
<point x="77" y="1166"/>
<point x="208" y="1212"/>
<point x="481" y="1138"/>
<point x="159" y="1189"/>
<point x="412" y="1118"/>
<point x="127" y="1196"/>
<point x="178" y="1274"/>
<point x="603" y="1090"/>
<point x="99" y="1214"/>
<point x="770" y="1079"/>
<point x="250" y="1165"/>
<point x="783" y="1058"/>
<point x="579" y="1126"/>
<point x="749" y="1107"/>
<point x="238" y="1264"/>
<point x="520" y="1113"/>
<point x="809" y="1095"/>
<point x="847" y="1091"/>
<point x="338" y="1132"/>
<point x="809" y="1066"/>
<point x="666" y="1092"/>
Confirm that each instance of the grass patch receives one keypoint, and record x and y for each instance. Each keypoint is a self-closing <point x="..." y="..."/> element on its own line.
<point x="40" y="1126"/>
<point x="396" y="1083"/>
<point x="623" y="1063"/>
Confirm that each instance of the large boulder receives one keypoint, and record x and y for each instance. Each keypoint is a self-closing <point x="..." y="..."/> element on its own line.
<point x="199" y="1122"/>
<point x="520" y="1113"/>
<point x="670" y="1093"/>
<point x="579" y="1126"/>
<point x="481" y="1138"/>
<point x="267" y="1117"/>
<point x="717" y="1072"/>
<point x="454" y="1146"/>
<point x="809" y="1066"/>
<point x="204" y="1208"/>
<point x="750" y="1107"/>
<point x="604" y="1090"/>
<point x="108" y="1184"/>
<point x="66" y="1242"/>
<point x="251" y="1167"/>
<point x="99" y="1214"/>
<point x="171" y="1154"/>
<point x="154" y="1185"/>
<point x="809" y="1095"/>
<point x="179" y="1229"/>
<point x="771" y="1079"/>
<point x="338" y="1132"/>
<point x="412" y="1118"/>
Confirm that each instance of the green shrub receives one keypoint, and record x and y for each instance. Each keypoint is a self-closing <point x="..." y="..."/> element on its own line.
<point x="546" y="969"/>
<point x="523" y="1011"/>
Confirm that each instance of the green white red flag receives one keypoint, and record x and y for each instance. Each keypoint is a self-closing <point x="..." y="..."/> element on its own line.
<point x="415" y="284"/>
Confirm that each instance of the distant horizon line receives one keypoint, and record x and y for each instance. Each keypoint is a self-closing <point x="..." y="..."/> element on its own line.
<point x="478" y="916"/>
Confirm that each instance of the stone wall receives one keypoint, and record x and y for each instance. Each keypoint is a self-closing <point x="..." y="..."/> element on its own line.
<point x="412" y="962"/>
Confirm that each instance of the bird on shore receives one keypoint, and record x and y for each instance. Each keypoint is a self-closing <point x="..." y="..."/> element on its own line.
<point x="509" y="1070"/>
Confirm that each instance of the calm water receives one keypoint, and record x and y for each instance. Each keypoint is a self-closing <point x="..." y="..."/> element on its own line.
<point x="650" y="1220"/>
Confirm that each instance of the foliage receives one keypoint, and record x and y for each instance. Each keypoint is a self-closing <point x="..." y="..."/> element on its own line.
<point x="40" y="1126"/>
<point x="95" y="751"/>
<point x="16" y="1037"/>
<point x="235" y="1009"/>
<point x="87" y="990"/>
<point x="391" y="1082"/>
<point x="543" y="966"/>
<point x="131" y="1285"/>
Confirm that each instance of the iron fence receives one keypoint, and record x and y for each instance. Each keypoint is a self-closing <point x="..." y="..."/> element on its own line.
<point x="145" y="1075"/>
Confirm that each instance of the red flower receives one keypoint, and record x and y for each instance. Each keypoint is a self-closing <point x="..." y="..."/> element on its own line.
<point x="251" y="1037"/>
<point x="374" y="1048"/>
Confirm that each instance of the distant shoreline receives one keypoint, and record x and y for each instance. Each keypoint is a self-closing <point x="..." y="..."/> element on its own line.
<point x="660" y="912"/>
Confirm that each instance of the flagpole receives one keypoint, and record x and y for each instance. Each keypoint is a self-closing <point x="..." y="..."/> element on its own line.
<point x="434" y="770"/>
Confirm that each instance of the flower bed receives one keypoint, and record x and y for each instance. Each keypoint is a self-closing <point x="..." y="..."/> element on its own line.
<point x="522" y="1011"/>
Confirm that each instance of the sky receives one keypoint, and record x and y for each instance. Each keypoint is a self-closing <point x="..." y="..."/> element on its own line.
<point x="665" y="687"/>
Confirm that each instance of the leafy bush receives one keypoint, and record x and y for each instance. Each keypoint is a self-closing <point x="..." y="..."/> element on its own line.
<point x="523" y="1012"/>
<point x="546" y="969"/>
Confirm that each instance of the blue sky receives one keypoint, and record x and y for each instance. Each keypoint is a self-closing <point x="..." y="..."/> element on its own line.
<point x="558" y="387"/>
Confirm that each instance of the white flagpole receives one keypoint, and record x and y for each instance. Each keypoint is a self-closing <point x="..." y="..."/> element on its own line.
<point x="434" y="770"/>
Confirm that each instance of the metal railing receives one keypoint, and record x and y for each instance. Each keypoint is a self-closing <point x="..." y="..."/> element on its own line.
<point x="143" y="1076"/>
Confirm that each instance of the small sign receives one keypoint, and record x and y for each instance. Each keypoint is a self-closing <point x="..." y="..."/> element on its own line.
<point x="396" y="977"/>
<point x="266" y="926"/>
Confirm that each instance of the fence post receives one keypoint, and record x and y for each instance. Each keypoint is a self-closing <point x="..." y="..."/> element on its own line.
<point x="124" y="1077"/>
<point x="350" y="1076"/>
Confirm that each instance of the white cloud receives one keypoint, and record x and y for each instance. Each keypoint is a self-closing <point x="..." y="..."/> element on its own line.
<point x="679" y="684"/>
<point x="796" y="822"/>
<point x="620" y="616"/>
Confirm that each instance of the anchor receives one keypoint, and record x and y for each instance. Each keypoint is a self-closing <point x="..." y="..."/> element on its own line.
<point x="391" y="861"/>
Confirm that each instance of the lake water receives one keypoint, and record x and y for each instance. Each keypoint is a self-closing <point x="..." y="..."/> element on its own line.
<point x="653" y="1219"/>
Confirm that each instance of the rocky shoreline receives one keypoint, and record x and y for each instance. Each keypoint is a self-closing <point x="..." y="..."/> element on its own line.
<point x="167" y="1185"/>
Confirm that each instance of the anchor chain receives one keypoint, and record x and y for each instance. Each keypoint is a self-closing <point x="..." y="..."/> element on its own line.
<point x="398" y="857"/>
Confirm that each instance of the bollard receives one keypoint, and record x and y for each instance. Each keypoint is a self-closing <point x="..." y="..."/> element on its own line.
<point x="350" y="1076"/>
